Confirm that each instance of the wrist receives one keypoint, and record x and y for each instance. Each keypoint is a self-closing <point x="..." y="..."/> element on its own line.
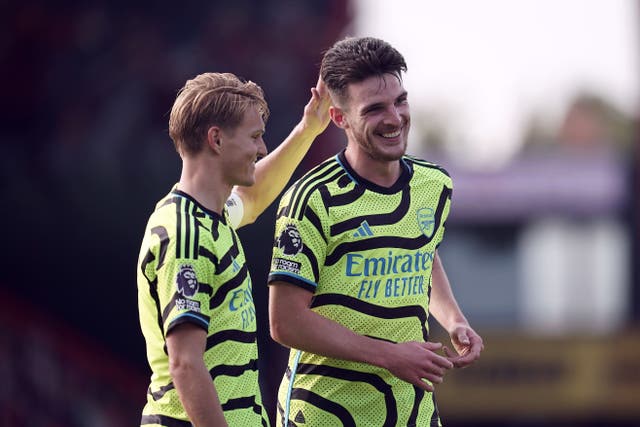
<point x="377" y="354"/>
<point x="454" y="324"/>
<point x="307" y="130"/>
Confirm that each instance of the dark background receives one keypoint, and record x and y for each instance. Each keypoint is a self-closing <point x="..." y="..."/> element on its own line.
<point x="85" y="155"/>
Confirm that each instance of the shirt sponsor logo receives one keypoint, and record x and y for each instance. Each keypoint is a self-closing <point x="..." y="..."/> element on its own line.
<point x="393" y="276"/>
<point x="416" y="262"/>
<point x="241" y="301"/>
<point x="240" y="298"/>
<point x="281" y="264"/>
<point x="289" y="241"/>
<point x="186" y="281"/>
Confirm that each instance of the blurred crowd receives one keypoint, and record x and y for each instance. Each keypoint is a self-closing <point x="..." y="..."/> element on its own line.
<point x="52" y="376"/>
<point x="89" y="85"/>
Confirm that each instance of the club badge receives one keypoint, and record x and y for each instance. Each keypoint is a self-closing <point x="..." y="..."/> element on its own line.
<point x="426" y="221"/>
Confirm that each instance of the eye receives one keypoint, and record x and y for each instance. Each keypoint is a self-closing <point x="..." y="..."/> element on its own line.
<point x="371" y="109"/>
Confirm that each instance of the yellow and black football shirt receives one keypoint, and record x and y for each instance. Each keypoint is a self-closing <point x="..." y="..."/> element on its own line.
<point x="366" y="253"/>
<point x="192" y="268"/>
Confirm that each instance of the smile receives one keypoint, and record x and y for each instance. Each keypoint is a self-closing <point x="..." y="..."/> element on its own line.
<point x="392" y="134"/>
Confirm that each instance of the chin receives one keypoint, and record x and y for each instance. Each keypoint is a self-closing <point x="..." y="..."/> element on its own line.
<point x="392" y="154"/>
<point x="249" y="181"/>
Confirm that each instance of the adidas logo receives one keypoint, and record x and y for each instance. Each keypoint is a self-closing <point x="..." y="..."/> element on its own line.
<point x="363" y="230"/>
<point x="299" y="418"/>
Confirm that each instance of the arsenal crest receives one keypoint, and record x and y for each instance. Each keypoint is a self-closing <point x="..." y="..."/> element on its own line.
<point x="426" y="221"/>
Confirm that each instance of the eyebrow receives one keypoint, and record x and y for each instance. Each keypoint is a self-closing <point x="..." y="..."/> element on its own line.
<point x="371" y="107"/>
<point x="375" y="105"/>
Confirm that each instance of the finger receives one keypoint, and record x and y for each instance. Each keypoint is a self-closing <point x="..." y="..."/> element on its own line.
<point x="449" y="353"/>
<point x="476" y="342"/>
<point x="426" y="386"/>
<point x="319" y="101"/>
<point x="321" y="87"/>
<point x="434" y="379"/>
<point x="463" y="362"/>
<point x="463" y="338"/>
<point x="475" y="347"/>
<point x="442" y="362"/>
<point x="434" y="370"/>
<point x="432" y="346"/>
<point x="466" y="359"/>
<point x="315" y="96"/>
<point x="457" y="360"/>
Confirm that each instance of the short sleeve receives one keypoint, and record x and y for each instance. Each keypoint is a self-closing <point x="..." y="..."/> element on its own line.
<point x="299" y="247"/>
<point x="448" y="191"/>
<point x="183" y="291"/>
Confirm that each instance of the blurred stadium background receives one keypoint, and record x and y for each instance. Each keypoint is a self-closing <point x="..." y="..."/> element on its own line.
<point x="542" y="247"/>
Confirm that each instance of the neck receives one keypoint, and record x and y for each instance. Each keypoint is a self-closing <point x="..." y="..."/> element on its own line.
<point x="202" y="181"/>
<point x="384" y="173"/>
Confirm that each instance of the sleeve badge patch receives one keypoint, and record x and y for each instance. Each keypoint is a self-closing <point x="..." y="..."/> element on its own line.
<point x="186" y="281"/>
<point x="290" y="241"/>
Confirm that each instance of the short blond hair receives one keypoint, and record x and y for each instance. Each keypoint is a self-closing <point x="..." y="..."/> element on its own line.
<point x="211" y="99"/>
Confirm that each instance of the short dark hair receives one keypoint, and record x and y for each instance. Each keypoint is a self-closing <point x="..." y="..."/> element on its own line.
<point x="355" y="59"/>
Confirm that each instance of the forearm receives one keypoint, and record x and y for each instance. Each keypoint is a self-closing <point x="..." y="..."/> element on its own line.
<point x="295" y="325"/>
<point x="185" y="347"/>
<point x="198" y="395"/>
<point x="442" y="304"/>
<point x="314" y="333"/>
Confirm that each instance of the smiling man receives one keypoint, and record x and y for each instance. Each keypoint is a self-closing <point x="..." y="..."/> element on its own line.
<point x="194" y="291"/>
<point x="352" y="294"/>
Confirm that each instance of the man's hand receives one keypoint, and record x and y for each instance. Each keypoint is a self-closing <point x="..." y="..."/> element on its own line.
<point x="415" y="362"/>
<point x="316" y="112"/>
<point x="468" y="345"/>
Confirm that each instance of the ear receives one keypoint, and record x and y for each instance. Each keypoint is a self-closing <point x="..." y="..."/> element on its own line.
<point x="338" y="117"/>
<point x="213" y="138"/>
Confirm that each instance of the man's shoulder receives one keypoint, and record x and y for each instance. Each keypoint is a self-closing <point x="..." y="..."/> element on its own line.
<point x="429" y="169"/>
<point x="420" y="163"/>
<point x="326" y="171"/>
<point x="322" y="174"/>
<point x="299" y="194"/>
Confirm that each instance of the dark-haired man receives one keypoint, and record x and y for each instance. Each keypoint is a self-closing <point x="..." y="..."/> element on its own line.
<point x="351" y="296"/>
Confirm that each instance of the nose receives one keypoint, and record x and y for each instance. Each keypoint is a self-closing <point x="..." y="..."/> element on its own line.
<point x="262" y="148"/>
<point x="393" y="116"/>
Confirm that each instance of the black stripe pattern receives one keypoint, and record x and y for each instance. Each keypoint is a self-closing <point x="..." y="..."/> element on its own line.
<point x="369" y="250"/>
<point x="374" y="310"/>
<point x="184" y="236"/>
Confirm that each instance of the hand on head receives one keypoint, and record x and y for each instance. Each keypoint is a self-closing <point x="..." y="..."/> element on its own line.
<point x="316" y="112"/>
